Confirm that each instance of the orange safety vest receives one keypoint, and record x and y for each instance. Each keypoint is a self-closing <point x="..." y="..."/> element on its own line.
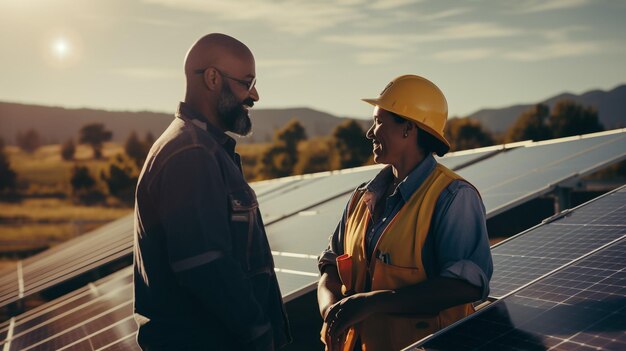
<point x="400" y="245"/>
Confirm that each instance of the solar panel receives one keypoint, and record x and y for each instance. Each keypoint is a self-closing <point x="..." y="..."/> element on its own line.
<point x="511" y="177"/>
<point x="327" y="186"/>
<point x="306" y="235"/>
<point x="76" y="318"/>
<point x="266" y="187"/>
<point x="102" y="312"/>
<point x="67" y="260"/>
<point x="580" y="307"/>
<point x="540" y="250"/>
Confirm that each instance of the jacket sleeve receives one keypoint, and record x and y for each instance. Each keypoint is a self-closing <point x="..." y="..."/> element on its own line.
<point x="335" y="245"/>
<point x="192" y="205"/>
<point x="462" y="244"/>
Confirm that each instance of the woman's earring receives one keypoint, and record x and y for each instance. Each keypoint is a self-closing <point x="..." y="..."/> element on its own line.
<point x="406" y="133"/>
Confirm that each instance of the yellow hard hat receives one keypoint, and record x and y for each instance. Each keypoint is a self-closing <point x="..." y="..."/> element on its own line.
<point x="419" y="100"/>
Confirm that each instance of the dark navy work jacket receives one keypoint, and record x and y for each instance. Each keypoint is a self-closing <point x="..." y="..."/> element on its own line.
<point x="204" y="274"/>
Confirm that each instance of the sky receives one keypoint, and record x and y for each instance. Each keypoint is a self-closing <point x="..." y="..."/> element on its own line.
<point x="325" y="55"/>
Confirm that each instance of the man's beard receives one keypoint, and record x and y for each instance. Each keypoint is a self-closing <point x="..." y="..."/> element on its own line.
<point x="232" y="114"/>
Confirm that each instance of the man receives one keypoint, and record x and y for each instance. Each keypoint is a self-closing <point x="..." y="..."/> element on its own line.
<point x="411" y="251"/>
<point x="204" y="274"/>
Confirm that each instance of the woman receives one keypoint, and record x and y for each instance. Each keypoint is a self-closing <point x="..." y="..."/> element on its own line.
<point x="411" y="251"/>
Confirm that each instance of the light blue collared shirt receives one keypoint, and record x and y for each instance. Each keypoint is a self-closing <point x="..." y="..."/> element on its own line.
<point x="457" y="245"/>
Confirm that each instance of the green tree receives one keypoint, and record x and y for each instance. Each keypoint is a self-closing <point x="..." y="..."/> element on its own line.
<point x="569" y="118"/>
<point x="8" y="177"/>
<point x="149" y="140"/>
<point x="95" y="135"/>
<point x="29" y="141"/>
<point x="350" y="146"/>
<point x="135" y="149"/>
<point x="85" y="187"/>
<point x="290" y="135"/>
<point x="312" y="161"/>
<point x="531" y="125"/>
<point x="279" y="159"/>
<point x="466" y="133"/>
<point x="121" y="178"/>
<point x="68" y="150"/>
<point x="81" y="178"/>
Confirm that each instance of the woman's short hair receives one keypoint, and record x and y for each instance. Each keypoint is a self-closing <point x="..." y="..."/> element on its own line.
<point x="426" y="141"/>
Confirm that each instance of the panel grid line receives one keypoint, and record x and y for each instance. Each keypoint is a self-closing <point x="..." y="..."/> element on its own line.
<point x="41" y="342"/>
<point x="69" y="312"/>
<point x="115" y="342"/>
<point x="20" y="280"/>
<point x="89" y="336"/>
<point x="7" y="344"/>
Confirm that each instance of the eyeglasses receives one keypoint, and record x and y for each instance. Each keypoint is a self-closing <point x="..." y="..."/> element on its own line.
<point x="249" y="84"/>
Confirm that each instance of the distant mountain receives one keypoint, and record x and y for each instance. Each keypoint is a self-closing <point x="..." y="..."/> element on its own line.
<point x="611" y="107"/>
<point x="57" y="124"/>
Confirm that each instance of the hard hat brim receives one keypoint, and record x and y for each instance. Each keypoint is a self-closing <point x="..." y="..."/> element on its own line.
<point x="429" y="130"/>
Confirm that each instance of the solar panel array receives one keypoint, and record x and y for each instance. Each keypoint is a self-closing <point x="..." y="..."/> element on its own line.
<point x="578" y="303"/>
<point x="517" y="175"/>
<point x="36" y="273"/>
<point x="542" y="249"/>
<point x="98" y="316"/>
<point x="306" y="208"/>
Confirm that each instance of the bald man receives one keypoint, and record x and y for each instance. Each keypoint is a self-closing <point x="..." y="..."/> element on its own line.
<point x="204" y="275"/>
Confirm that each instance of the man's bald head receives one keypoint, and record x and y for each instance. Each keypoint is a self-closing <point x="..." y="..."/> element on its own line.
<point x="215" y="49"/>
<point x="221" y="75"/>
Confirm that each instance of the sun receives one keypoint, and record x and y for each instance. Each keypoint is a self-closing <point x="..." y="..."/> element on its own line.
<point x="61" y="48"/>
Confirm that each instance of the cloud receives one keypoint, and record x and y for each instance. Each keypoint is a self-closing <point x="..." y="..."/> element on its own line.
<point x="441" y="14"/>
<point x="561" y="34"/>
<point x="148" y="72"/>
<point x="391" y="4"/>
<point x="292" y="16"/>
<point x="370" y="41"/>
<point x="375" y="57"/>
<point x="397" y="44"/>
<point x="462" y="55"/>
<point x="156" y="22"/>
<point x="554" y="51"/>
<point x="532" y="6"/>
<point x="282" y="63"/>
<point x="476" y="30"/>
<point x="400" y="40"/>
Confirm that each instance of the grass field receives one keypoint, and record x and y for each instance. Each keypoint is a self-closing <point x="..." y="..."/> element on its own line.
<point x="45" y="170"/>
<point x="46" y="214"/>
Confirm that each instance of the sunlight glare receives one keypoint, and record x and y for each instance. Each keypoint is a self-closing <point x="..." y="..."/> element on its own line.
<point x="61" y="48"/>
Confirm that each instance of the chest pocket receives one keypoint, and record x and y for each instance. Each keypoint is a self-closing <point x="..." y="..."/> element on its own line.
<point x="243" y="212"/>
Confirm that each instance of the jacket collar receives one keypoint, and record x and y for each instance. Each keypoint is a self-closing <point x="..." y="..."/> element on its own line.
<point x="186" y="112"/>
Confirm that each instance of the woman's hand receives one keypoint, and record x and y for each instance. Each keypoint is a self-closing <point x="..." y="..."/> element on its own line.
<point x="346" y="313"/>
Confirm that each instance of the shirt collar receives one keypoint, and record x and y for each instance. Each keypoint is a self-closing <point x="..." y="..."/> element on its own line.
<point x="185" y="111"/>
<point x="417" y="176"/>
<point x="408" y="185"/>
